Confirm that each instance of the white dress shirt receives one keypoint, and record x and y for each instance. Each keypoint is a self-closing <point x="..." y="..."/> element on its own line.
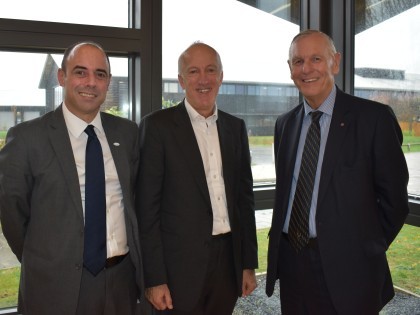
<point x="205" y="130"/>
<point x="115" y="221"/>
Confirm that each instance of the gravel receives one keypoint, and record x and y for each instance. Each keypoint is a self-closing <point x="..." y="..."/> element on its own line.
<point x="259" y="304"/>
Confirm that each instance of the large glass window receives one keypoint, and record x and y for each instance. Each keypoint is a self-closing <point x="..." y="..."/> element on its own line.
<point x="253" y="44"/>
<point x="387" y="68"/>
<point x="92" y="12"/>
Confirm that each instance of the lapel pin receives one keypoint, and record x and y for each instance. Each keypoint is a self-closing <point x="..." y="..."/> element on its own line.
<point x="342" y="124"/>
<point x="116" y="144"/>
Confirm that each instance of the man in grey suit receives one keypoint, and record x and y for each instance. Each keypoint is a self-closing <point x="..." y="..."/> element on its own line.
<point x="42" y="198"/>
<point x="195" y="198"/>
<point x="333" y="259"/>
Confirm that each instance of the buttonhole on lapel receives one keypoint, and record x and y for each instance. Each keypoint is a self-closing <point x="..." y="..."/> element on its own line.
<point x="116" y="144"/>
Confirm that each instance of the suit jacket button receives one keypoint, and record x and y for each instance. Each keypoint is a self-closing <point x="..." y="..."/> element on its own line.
<point x="78" y="266"/>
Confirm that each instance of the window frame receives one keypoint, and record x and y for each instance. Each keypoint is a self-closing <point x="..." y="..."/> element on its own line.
<point x="142" y="44"/>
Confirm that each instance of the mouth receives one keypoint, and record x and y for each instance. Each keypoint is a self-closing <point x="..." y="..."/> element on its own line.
<point x="309" y="80"/>
<point x="86" y="94"/>
<point x="203" y="91"/>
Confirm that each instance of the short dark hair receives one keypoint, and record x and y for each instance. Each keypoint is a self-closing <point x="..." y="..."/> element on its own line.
<point x="72" y="47"/>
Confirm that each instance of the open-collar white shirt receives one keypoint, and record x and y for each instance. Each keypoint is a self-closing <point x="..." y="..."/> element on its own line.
<point x="207" y="136"/>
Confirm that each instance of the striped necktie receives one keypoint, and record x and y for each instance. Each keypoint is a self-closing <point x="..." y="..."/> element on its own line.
<point x="299" y="221"/>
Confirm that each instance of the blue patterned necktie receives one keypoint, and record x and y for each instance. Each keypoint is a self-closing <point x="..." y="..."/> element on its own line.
<point x="94" y="255"/>
<point x="299" y="220"/>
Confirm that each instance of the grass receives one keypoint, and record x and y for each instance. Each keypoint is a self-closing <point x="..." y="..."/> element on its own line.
<point x="409" y="139"/>
<point x="9" y="279"/>
<point x="403" y="257"/>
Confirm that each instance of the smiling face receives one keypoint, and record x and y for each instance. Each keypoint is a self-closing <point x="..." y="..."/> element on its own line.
<point x="85" y="80"/>
<point x="313" y="64"/>
<point x="200" y="75"/>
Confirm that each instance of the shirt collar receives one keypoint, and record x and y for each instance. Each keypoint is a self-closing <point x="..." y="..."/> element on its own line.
<point x="326" y="107"/>
<point x="77" y="126"/>
<point x="195" y="116"/>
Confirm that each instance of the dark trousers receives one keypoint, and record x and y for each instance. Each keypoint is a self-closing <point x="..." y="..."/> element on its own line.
<point x="220" y="293"/>
<point x="303" y="290"/>
<point x="112" y="292"/>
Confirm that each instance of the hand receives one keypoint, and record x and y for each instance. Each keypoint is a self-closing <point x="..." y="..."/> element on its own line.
<point x="160" y="297"/>
<point x="249" y="282"/>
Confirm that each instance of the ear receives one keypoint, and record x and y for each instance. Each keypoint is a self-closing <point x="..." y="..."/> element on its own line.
<point x="109" y="81"/>
<point x="290" y="68"/>
<point x="181" y="81"/>
<point x="61" y="76"/>
<point x="221" y="78"/>
<point x="336" y="65"/>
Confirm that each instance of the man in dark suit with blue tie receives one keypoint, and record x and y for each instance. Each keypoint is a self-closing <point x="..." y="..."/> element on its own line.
<point x="195" y="198"/>
<point x="341" y="192"/>
<point x="66" y="199"/>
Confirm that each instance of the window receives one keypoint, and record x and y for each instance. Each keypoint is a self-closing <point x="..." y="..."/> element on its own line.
<point x="387" y="68"/>
<point x="35" y="91"/>
<point x="33" y="40"/>
<point x="92" y="12"/>
<point x="254" y="63"/>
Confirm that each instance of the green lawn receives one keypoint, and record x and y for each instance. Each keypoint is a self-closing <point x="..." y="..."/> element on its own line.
<point x="413" y="141"/>
<point x="403" y="257"/>
<point x="9" y="279"/>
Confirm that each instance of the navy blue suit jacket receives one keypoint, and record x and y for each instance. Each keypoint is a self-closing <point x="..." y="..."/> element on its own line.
<point x="362" y="201"/>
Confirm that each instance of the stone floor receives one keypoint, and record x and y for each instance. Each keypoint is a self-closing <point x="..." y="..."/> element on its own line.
<point x="259" y="304"/>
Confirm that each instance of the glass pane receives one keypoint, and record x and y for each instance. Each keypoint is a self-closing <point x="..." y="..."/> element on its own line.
<point x="28" y="94"/>
<point x="92" y="12"/>
<point x="387" y="68"/>
<point x="254" y="51"/>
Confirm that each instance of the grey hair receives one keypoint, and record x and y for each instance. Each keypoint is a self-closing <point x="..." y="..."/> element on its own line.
<point x="181" y="59"/>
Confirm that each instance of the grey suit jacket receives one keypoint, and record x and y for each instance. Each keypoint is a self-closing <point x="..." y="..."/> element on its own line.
<point x="41" y="207"/>
<point x="175" y="213"/>
<point x="362" y="200"/>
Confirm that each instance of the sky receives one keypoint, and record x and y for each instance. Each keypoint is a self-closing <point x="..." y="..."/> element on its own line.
<point x="253" y="44"/>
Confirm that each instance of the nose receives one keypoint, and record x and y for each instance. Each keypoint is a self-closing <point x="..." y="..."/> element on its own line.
<point x="90" y="79"/>
<point x="306" y="67"/>
<point x="203" y="77"/>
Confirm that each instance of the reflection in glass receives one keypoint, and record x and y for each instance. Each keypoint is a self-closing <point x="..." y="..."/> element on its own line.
<point x="387" y="68"/>
<point x="254" y="50"/>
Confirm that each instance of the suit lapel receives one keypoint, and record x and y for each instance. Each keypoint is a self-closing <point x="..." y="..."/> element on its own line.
<point x="187" y="143"/>
<point x="116" y="144"/>
<point x="288" y="143"/>
<point x="228" y="146"/>
<point x="341" y="120"/>
<point x="60" y="142"/>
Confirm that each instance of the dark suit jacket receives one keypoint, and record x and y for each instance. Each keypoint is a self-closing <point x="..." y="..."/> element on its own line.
<point x="41" y="207"/>
<point x="362" y="201"/>
<point x="175" y="213"/>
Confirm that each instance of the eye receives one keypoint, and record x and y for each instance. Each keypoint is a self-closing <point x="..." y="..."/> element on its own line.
<point x="316" y="59"/>
<point x="80" y="73"/>
<point x="297" y="62"/>
<point x="211" y="69"/>
<point x="101" y="75"/>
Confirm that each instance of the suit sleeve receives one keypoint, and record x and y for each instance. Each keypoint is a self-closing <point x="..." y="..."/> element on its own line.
<point x="391" y="174"/>
<point x="247" y="207"/>
<point x="148" y="203"/>
<point x="15" y="190"/>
